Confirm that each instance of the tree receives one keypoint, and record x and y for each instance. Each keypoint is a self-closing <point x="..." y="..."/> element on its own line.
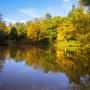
<point x="3" y="29"/>
<point x="0" y="18"/>
<point x="73" y="8"/>
<point x="33" y="32"/>
<point x="85" y="3"/>
<point x="13" y="34"/>
<point x="81" y="21"/>
<point x="49" y="28"/>
<point x="65" y="31"/>
<point x="21" y="30"/>
<point x="56" y="21"/>
<point x="48" y="15"/>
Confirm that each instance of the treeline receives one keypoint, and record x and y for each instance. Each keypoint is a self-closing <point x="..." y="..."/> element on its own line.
<point x="39" y="30"/>
<point x="74" y="27"/>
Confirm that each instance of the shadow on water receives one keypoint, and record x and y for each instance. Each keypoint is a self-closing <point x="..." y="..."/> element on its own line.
<point x="44" y="68"/>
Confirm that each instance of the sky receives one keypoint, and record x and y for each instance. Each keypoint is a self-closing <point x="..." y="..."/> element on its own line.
<point x="25" y="10"/>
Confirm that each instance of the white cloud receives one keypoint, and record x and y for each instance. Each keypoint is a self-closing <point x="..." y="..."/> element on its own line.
<point x="9" y="20"/>
<point x="31" y="12"/>
<point x="34" y="12"/>
<point x="23" y="21"/>
<point x="66" y="0"/>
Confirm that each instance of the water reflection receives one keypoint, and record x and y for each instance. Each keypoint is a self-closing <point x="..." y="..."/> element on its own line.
<point x="44" y="68"/>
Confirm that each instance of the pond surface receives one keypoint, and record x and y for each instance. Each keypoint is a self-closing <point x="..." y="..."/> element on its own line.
<point x="44" y="68"/>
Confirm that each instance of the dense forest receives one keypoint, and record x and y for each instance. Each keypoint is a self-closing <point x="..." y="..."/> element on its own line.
<point x="73" y="28"/>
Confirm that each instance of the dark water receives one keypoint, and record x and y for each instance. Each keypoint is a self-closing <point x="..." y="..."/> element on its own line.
<point x="44" y="68"/>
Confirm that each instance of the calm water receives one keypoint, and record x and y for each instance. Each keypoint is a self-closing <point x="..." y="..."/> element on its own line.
<point x="44" y="68"/>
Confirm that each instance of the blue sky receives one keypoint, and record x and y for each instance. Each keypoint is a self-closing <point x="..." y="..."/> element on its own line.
<point x="24" y="10"/>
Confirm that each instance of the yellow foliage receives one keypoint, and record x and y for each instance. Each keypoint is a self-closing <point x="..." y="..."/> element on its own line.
<point x="31" y="31"/>
<point x="65" y="28"/>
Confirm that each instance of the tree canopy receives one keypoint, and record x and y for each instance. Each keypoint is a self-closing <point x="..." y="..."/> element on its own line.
<point x="75" y="26"/>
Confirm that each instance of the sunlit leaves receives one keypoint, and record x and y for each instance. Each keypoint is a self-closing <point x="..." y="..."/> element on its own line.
<point x="65" y="29"/>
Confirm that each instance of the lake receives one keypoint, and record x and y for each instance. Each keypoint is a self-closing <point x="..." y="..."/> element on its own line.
<point x="44" y="68"/>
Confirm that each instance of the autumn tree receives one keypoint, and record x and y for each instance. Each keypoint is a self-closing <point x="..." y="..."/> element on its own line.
<point x="65" y="30"/>
<point x="21" y="30"/>
<point x="33" y="31"/>
<point x="81" y="21"/>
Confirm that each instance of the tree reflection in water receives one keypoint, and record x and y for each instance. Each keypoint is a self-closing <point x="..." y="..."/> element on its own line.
<point x="75" y="64"/>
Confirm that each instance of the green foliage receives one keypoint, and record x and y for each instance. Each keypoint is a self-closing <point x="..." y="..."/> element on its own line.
<point x="3" y="30"/>
<point x="85" y="2"/>
<point x="13" y="34"/>
<point x="76" y="26"/>
<point x="81" y="22"/>
<point x="49" y="29"/>
<point x="20" y="29"/>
